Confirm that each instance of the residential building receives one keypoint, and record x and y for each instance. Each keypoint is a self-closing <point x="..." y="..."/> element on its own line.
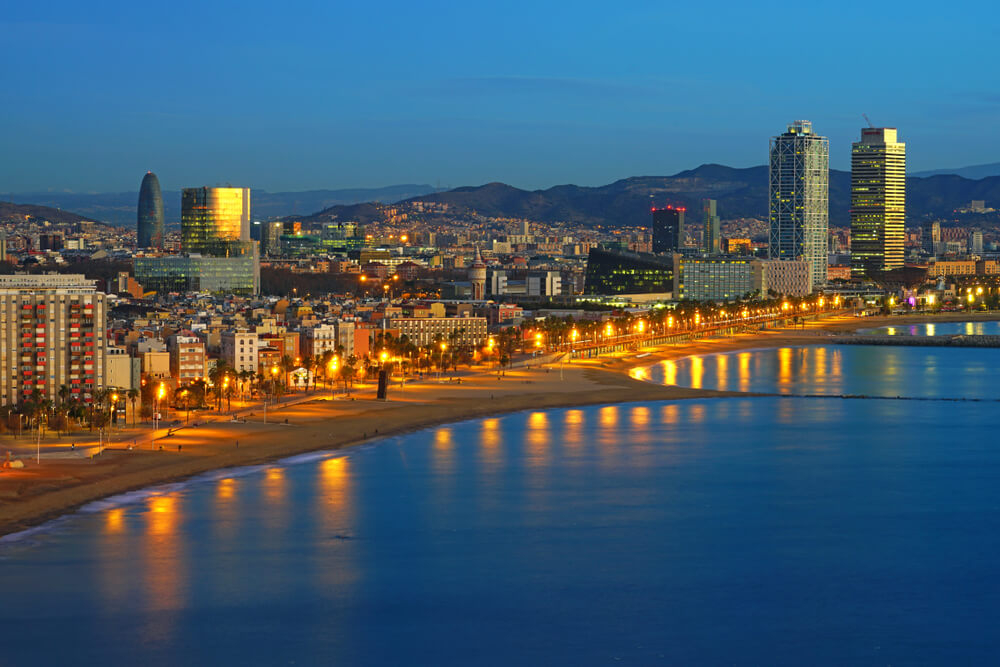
<point x="239" y="349"/>
<point x="52" y="334"/>
<point x="187" y="358"/>
<point x="422" y="331"/>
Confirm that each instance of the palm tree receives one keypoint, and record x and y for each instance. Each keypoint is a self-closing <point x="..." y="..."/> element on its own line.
<point x="133" y="394"/>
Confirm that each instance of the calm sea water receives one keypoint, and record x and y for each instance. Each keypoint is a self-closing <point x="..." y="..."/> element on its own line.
<point x="860" y="370"/>
<point x="737" y="531"/>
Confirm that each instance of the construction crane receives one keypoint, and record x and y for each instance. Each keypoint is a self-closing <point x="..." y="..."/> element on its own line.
<point x="868" y="120"/>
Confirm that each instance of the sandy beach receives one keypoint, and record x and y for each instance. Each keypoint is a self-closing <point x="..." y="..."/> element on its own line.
<point x="37" y="493"/>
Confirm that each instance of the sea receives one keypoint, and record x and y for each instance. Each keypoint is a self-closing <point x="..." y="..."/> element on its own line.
<point x="807" y="525"/>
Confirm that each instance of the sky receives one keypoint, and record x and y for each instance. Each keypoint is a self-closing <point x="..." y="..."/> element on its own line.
<point x="295" y="96"/>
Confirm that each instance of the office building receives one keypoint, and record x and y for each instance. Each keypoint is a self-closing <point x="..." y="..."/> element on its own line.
<point x="270" y="238"/>
<point x="720" y="278"/>
<point x="930" y="237"/>
<point x="976" y="242"/>
<point x="214" y="218"/>
<point x="712" y="236"/>
<point x="799" y="198"/>
<point x="614" y="272"/>
<point x="878" y="201"/>
<point x="52" y="334"/>
<point x="668" y="229"/>
<point x="237" y="274"/>
<point x="150" y="213"/>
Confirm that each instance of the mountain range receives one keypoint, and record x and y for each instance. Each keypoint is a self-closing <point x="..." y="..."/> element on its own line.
<point x="740" y="193"/>
<point x="975" y="172"/>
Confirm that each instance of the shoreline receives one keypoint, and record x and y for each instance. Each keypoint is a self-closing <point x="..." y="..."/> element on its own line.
<point x="39" y="494"/>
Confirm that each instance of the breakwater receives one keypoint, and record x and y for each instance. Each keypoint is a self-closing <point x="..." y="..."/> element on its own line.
<point x="918" y="341"/>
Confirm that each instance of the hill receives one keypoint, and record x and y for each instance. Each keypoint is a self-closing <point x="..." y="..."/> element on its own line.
<point x="740" y="193"/>
<point x="120" y="207"/>
<point x="975" y="172"/>
<point x="11" y="212"/>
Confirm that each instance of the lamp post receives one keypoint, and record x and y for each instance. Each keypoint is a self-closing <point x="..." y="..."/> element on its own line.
<point x="332" y="370"/>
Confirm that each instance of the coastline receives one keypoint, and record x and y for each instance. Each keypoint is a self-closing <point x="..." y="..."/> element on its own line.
<point x="38" y="494"/>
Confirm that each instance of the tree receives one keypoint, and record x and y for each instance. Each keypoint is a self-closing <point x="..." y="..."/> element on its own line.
<point x="133" y="394"/>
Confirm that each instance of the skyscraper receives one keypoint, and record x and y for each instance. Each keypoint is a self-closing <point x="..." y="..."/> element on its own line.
<point x="212" y="219"/>
<point x="799" y="198"/>
<point x="930" y="237"/>
<point x="150" y="213"/>
<point x="878" y="201"/>
<point x="712" y="235"/>
<point x="668" y="229"/>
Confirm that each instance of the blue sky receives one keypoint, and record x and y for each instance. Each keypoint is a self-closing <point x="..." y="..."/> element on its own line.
<point x="295" y="96"/>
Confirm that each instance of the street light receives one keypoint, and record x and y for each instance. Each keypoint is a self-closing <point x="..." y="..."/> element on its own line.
<point x="332" y="370"/>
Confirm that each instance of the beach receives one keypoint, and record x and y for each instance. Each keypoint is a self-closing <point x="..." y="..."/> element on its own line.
<point x="37" y="493"/>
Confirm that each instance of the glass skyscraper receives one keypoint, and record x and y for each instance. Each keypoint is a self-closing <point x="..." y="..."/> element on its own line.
<point x="878" y="201"/>
<point x="211" y="218"/>
<point x="799" y="198"/>
<point x="150" y="214"/>
<point x="668" y="229"/>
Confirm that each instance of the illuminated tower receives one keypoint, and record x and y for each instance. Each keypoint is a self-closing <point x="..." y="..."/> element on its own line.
<point x="668" y="229"/>
<point x="878" y="201"/>
<point x="799" y="198"/>
<point x="150" y="213"/>
<point x="477" y="276"/>
<point x="214" y="220"/>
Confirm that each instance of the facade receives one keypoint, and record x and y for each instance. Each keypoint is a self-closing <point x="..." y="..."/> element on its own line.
<point x="878" y="201"/>
<point x="150" y="213"/>
<point x="422" y="331"/>
<point x="187" y="358"/>
<point x="319" y="339"/>
<point x="52" y="334"/>
<point x="786" y="278"/>
<point x="966" y="267"/>
<point x="239" y="350"/>
<point x="213" y="218"/>
<point x="799" y="198"/>
<point x="720" y="278"/>
<point x="118" y="368"/>
<point x="613" y="272"/>
<point x="712" y="236"/>
<point x="238" y="274"/>
<point x="668" y="229"/>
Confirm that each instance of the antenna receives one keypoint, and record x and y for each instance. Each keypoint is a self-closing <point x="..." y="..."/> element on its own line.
<point x="868" y="120"/>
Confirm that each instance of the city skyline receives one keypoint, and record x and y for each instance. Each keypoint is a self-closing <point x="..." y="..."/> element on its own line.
<point x="467" y="106"/>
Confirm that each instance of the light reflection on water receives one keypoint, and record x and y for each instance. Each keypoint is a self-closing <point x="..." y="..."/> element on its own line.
<point x="841" y="370"/>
